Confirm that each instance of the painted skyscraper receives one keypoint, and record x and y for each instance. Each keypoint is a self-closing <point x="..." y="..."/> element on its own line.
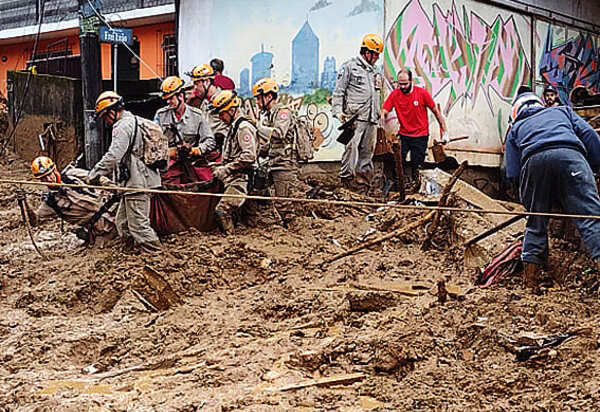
<point x="244" y="89"/>
<point x="305" y="61"/>
<point x="261" y="64"/>
<point x="329" y="74"/>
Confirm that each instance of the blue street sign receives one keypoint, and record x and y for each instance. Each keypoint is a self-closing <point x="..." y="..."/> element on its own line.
<point x="116" y="35"/>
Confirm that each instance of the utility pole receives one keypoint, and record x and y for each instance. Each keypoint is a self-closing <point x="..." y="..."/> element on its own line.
<point x="91" y="79"/>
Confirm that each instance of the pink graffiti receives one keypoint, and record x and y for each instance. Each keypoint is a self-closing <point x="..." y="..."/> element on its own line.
<point x="464" y="53"/>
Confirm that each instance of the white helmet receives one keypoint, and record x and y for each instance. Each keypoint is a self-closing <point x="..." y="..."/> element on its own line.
<point x="522" y="101"/>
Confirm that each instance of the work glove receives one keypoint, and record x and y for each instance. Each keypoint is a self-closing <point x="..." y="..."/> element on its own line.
<point x="92" y="181"/>
<point x="172" y="153"/>
<point x="221" y="172"/>
<point x="195" y="151"/>
<point x="445" y="138"/>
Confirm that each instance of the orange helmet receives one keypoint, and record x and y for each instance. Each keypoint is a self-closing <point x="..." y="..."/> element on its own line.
<point x="42" y="166"/>
<point x="264" y="86"/>
<point x="373" y="43"/>
<point x="201" y="72"/>
<point x="171" y="86"/>
<point x="224" y="101"/>
<point x="107" y="100"/>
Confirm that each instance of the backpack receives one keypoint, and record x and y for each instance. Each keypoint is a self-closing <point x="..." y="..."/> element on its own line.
<point x="303" y="138"/>
<point x="156" y="144"/>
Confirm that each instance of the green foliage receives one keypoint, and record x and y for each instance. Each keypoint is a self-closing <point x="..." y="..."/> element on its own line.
<point x="319" y="96"/>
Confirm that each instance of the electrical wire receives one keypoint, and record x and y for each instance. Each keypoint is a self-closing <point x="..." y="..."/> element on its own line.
<point x="103" y="20"/>
<point x="305" y="200"/>
<point x="25" y="89"/>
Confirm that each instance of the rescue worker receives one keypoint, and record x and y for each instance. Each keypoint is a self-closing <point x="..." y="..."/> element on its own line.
<point x="357" y="93"/>
<point x="551" y="96"/>
<point x="186" y="127"/>
<point x="552" y="151"/>
<point x="239" y="157"/>
<point x="124" y="156"/>
<point x="205" y="89"/>
<point x="276" y="134"/>
<point x="93" y="211"/>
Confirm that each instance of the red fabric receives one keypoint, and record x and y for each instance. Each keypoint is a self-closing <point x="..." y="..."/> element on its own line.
<point x="173" y="213"/>
<point x="504" y="263"/>
<point x="224" y="82"/>
<point x="411" y="110"/>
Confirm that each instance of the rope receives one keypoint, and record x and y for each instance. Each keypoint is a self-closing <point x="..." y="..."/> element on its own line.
<point x="304" y="200"/>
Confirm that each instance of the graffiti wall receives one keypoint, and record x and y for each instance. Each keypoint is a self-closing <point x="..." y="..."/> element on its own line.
<point x="567" y="58"/>
<point x="301" y="44"/>
<point x="470" y="57"/>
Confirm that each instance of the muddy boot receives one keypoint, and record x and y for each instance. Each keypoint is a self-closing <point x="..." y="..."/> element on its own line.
<point x="347" y="182"/>
<point x="531" y="274"/>
<point x="151" y="247"/>
<point x="128" y="244"/>
<point x="224" y="222"/>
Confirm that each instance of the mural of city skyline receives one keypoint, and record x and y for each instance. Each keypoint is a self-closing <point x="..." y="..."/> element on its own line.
<point x="305" y="66"/>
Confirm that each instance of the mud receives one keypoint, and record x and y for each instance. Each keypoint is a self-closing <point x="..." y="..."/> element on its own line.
<point x="257" y="314"/>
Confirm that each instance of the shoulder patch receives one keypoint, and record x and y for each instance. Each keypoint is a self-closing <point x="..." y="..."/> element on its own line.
<point x="284" y="114"/>
<point x="246" y="137"/>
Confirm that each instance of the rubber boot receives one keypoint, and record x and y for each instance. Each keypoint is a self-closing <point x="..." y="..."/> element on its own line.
<point x="224" y="222"/>
<point x="151" y="247"/>
<point x="531" y="277"/>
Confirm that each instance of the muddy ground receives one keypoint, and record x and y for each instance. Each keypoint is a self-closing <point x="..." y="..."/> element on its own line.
<point x="258" y="314"/>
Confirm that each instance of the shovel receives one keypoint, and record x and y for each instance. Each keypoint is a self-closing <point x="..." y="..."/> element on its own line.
<point x="471" y="257"/>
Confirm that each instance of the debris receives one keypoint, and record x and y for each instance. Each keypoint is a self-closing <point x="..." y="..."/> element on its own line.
<point x="377" y="241"/>
<point x="154" y="291"/>
<point x="443" y="201"/>
<point x="528" y="347"/>
<point x="333" y="380"/>
<point x="505" y="263"/>
<point x="442" y="293"/>
<point x="371" y="301"/>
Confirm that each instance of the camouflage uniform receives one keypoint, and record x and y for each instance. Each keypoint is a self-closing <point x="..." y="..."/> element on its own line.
<point x="239" y="156"/>
<point x="77" y="206"/>
<point x="357" y="91"/>
<point x="276" y="132"/>
<point x="193" y="128"/>
<point x="133" y="215"/>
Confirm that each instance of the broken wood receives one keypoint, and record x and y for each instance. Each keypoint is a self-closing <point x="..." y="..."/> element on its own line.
<point x="377" y="241"/>
<point x="397" y="152"/>
<point x="443" y="200"/>
<point x="154" y="291"/>
<point x="333" y="380"/>
<point x="493" y="230"/>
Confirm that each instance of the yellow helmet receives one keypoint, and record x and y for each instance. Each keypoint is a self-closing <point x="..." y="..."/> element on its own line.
<point x="264" y="86"/>
<point x="201" y="72"/>
<point x="107" y="100"/>
<point x="373" y="43"/>
<point x="42" y="166"/>
<point x="224" y="101"/>
<point x="171" y="86"/>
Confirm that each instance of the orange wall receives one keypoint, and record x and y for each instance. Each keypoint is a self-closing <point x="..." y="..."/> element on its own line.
<point x="150" y="38"/>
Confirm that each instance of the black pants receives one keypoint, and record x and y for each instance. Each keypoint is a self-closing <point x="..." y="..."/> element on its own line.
<point x="417" y="147"/>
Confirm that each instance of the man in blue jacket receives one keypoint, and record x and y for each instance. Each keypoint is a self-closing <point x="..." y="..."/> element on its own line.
<point x="553" y="152"/>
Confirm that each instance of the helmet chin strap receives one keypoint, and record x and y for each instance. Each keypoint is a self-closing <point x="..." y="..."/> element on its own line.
<point x="266" y="104"/>
<point x="206" y="89"/>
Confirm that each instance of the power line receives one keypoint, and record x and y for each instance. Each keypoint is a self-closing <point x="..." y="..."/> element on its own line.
<point x="41" y="7"/>
<point x="124" y="44"/>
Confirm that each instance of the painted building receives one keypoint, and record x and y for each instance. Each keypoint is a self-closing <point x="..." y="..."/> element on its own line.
<point x="244" y="88"/>
<point x="305" y="60"/>
<point x="261" y="64"/>
<point x="152" y="22"/>
<point x="329" y="74"/>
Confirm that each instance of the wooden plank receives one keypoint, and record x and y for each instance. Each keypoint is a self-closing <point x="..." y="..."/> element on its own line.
<point x="333" y="380"/>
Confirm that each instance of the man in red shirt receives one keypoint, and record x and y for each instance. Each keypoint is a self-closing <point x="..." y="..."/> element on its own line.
<point x="222" y="81"/>
<point x="411" y="103"/>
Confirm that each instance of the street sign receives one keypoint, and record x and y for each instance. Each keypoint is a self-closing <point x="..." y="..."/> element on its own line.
<point x="89" y="24"/>
<point x="116" y="35"/>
